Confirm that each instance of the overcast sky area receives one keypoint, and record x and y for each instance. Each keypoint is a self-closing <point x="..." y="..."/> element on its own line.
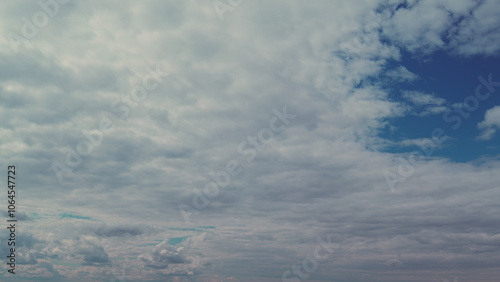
<point x="251" y="140"/>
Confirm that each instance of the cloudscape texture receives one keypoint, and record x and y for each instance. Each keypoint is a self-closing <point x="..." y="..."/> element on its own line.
<point x="251" y="140"/>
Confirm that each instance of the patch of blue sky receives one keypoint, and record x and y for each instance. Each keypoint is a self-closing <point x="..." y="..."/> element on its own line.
<point x="453" y="79"/>
<point x="178" y="240"/>
<point x="68" y="215"/>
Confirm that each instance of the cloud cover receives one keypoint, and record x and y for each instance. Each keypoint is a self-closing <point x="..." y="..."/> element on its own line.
<point x="322" y="175"/>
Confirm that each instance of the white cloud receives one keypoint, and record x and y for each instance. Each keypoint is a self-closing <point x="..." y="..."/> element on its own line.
<point x="425" y="104"/>
<point x="433" y="110"/>
<point x="463" y="27"/>
<point x="402" y="74"/>
<point x="422" y="142"/>
<point x="476" y="34"/>
<point x="422" y="99"/>
<point x="490" y="124"/>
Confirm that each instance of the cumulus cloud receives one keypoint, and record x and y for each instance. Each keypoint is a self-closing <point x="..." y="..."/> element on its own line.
<point x="490" y="124"/>
<point x="475" y="34"/>
<point x="163" y="255"/>
<point x="89" y="249"/>
<point x="462" y="27"/>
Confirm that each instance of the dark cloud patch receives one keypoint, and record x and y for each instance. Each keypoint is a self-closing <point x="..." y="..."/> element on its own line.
<point x="91" y="251"/>
<point x="118" y="231"/>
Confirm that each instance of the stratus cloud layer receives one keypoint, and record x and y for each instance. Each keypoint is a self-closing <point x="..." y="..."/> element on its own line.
<point x="319" y="177"/>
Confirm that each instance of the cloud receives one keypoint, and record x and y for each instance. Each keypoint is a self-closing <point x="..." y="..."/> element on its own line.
<point x="422" y="99"/>
<point x="423" y="142"/>
<point x="461" y="27"/>
<point x="475" y="34"/>
<point x="119" y="230"/>
<point x="401" y="73"/>
<point x="322" y="175"/>
<point x="490" y="124"/>
<point x="433" y="110"/>
<point x="89" y="249"/>
<point x="163" y="255"/>
<point x="27" y="258"/>
<point x="174" y="260"/>
<point x="425" y="104"/>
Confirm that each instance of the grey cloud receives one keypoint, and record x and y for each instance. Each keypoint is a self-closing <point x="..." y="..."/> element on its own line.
<point x="91" y="251"/>
<point x="323" y="175"/>
<point x="117" y="231"/>
<point x="164" y="255"/>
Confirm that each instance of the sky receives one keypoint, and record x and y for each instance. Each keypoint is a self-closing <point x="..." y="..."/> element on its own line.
<point x="238" y="140"/>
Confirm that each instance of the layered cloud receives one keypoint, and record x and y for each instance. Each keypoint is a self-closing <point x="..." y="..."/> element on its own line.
<point x="119" y="113"/>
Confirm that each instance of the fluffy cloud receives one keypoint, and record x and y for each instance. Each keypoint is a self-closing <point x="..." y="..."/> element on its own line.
<point x="461" y="27"/>
<point x="475" y="34"/>
<point x="164" y="255"/>
<point x="490" y="124"/>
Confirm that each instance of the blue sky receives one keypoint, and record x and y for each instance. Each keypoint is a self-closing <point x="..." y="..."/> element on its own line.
<point x="236" y="140"/>
<point x="452" y="79"/>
